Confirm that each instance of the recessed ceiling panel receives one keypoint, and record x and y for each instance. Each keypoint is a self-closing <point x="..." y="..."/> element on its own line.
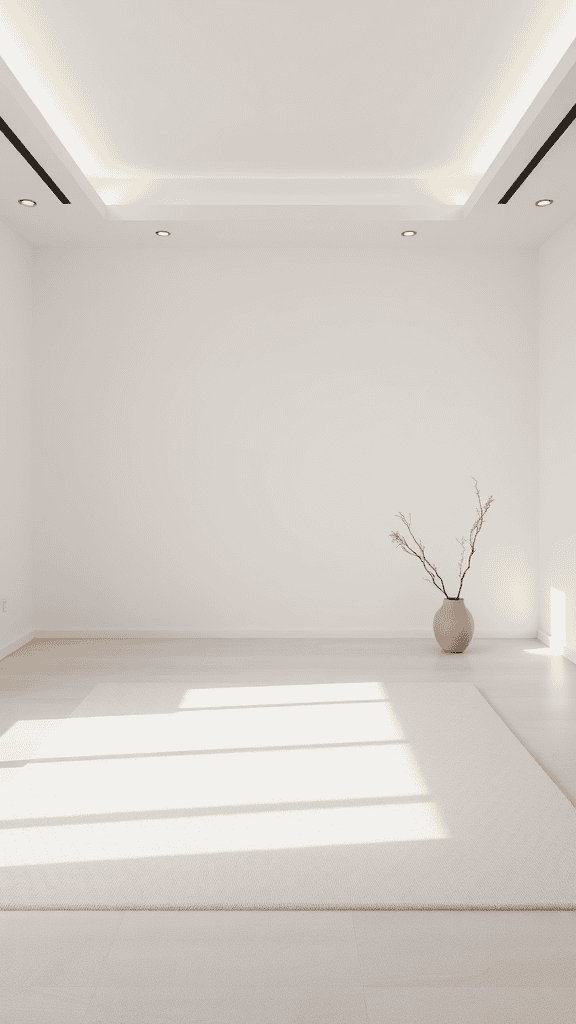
<point x="319" y="87"/>
<point x="409" y="97"/>
<point x="400" y="106"/>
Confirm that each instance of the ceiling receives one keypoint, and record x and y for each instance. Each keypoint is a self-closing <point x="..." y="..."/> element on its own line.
<point x="257" y="123"/>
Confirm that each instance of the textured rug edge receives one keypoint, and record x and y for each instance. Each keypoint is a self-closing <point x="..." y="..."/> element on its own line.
<point x="568" y="907"/>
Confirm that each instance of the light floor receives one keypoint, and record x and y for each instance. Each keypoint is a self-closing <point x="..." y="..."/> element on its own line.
<point x="295" y="967"/>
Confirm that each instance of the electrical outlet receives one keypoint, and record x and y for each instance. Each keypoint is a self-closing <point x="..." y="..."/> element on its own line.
<point x="5" y="604"/>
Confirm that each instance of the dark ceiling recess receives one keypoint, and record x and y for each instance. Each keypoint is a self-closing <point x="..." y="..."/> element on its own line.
<point x="564" y="124"/>
<point x="30" y="159"/>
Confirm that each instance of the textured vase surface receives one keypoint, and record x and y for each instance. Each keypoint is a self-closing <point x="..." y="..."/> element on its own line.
<point x="453" y="626"/>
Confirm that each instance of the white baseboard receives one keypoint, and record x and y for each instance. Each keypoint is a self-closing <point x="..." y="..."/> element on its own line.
<point x="202" y="634"/>
<point x="263" y="634"/>
<point x="9" y="648"/>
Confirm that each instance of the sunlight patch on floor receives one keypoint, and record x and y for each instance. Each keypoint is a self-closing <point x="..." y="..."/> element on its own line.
<point x="221" y="833"/>
<point x="197" y="776"/>
<point x="76" y="788"/>
<point x="223" y="729"/>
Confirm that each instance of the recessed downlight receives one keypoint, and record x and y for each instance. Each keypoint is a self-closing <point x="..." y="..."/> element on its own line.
<point x="408" y="234"/>
<point x="27" y="202"/>
<point x="163" y="234"/>
<point x="544" y="202"/>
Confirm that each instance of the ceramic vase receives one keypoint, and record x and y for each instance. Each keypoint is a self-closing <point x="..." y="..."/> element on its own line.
<point x="453" y="626"/>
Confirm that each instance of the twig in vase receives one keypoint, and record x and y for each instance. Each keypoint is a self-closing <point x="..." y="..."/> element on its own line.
<point x="429" y="566"/>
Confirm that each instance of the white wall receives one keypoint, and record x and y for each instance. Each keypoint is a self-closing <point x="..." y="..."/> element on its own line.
<point x="557" y="379"/>
<point x="16" y="624"/>
<point x="224" y="439"/>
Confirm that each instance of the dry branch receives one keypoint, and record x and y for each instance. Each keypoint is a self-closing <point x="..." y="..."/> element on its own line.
<point x="402" y="543"/>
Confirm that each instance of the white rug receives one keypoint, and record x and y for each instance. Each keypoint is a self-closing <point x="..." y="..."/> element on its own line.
<point x="174" y="793"/>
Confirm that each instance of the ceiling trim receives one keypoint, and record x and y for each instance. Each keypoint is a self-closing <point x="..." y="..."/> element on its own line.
<point x="556" y="134"/>
<point x="7" y="131"/>
<point x="553" y="98"/>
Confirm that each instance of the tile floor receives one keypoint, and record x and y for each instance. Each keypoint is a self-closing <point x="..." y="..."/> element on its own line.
<point x="293" y="967"/>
